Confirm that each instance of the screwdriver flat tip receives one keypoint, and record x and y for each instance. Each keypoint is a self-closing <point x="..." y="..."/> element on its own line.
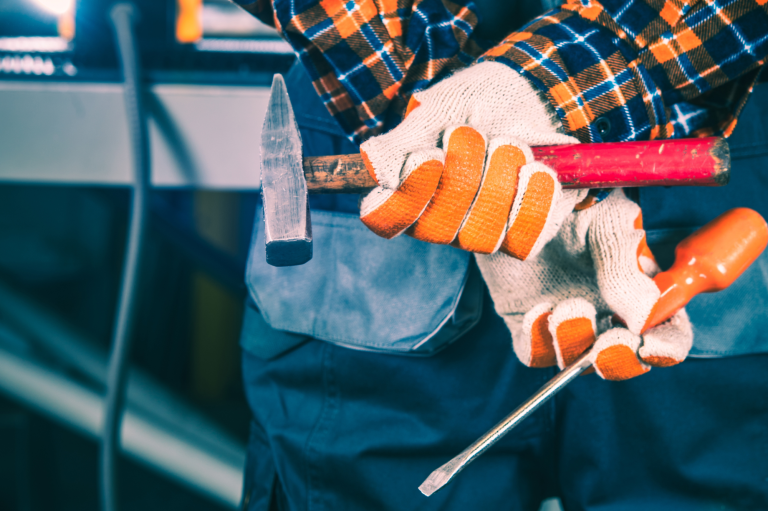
<point x="434" y="482"/>
<point x="445" y="473"/>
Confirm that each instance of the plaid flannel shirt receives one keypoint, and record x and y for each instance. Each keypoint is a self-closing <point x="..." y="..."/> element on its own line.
<point x="613" y="71"/>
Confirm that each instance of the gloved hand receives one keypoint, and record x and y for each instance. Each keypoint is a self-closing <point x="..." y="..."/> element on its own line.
<point x="561" y="302"/>
<point x="458" y="169"/>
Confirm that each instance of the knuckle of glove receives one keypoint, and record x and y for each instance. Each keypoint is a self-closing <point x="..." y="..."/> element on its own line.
<point x="386" y="155"/>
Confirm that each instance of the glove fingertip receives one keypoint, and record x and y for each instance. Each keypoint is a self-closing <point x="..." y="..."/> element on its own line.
<point x="573" y="329"/>
<point x="462" y="175"/>
<point x="390" y="212"/>
<point x="660" y="361"/>
<point x="618" y="363"/>
<point x="538" y="193"/>
<point x="668" y="343"/>
<point x="616" y="355"/>
<point x="524" y="150"/>
<point x="486" y="223"/>
<point x="535" y="346"/>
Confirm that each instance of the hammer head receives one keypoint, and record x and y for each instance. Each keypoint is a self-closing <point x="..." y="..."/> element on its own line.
<point x="287" y="225"/>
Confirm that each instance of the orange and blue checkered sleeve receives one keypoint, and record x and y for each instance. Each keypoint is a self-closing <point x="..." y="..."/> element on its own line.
<point x="367" y="57"/>
<point x="621" y="70"/>
<point x="614" y="70"/>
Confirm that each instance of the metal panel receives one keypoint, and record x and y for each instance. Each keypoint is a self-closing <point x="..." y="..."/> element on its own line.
<point x="201" y="136"/>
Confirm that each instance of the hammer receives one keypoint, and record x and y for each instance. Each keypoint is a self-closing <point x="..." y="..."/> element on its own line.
<point x="286" y="177"/>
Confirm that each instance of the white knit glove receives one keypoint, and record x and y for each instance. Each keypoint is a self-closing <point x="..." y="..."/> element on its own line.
<point x="458" y="169"/>
<point x="561" y="302"/>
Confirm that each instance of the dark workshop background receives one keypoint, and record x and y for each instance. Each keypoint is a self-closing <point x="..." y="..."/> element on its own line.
<point x="61" y="252"/>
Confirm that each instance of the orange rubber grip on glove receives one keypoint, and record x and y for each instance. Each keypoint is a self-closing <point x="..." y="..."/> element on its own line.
<point x="709" y="260"/>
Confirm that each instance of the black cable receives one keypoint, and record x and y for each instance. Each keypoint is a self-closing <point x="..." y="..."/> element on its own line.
<point x="123" y="17"/>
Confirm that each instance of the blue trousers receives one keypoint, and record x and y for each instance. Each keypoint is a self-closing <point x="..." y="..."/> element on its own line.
<point x="338" y="429"/>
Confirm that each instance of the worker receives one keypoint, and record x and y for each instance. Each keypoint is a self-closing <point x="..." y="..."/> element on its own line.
<point x="473" y="276"/>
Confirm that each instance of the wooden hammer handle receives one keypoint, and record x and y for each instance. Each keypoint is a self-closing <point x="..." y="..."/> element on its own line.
<point x="681" y="162"/>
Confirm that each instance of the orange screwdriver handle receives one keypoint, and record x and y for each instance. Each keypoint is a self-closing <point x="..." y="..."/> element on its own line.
<point x="709" y="260"/>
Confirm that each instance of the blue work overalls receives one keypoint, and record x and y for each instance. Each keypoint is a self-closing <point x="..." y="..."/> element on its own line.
<point x="359" y="429"/>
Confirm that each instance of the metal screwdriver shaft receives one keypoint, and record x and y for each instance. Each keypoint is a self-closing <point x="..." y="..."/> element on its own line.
<point x="445" y="473"/>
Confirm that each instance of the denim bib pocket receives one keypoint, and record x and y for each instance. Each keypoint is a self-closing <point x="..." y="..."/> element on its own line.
<point x="397" y="296"/>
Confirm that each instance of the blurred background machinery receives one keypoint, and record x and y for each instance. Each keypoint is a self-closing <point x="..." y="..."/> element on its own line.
<point x="65" y="167"/>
